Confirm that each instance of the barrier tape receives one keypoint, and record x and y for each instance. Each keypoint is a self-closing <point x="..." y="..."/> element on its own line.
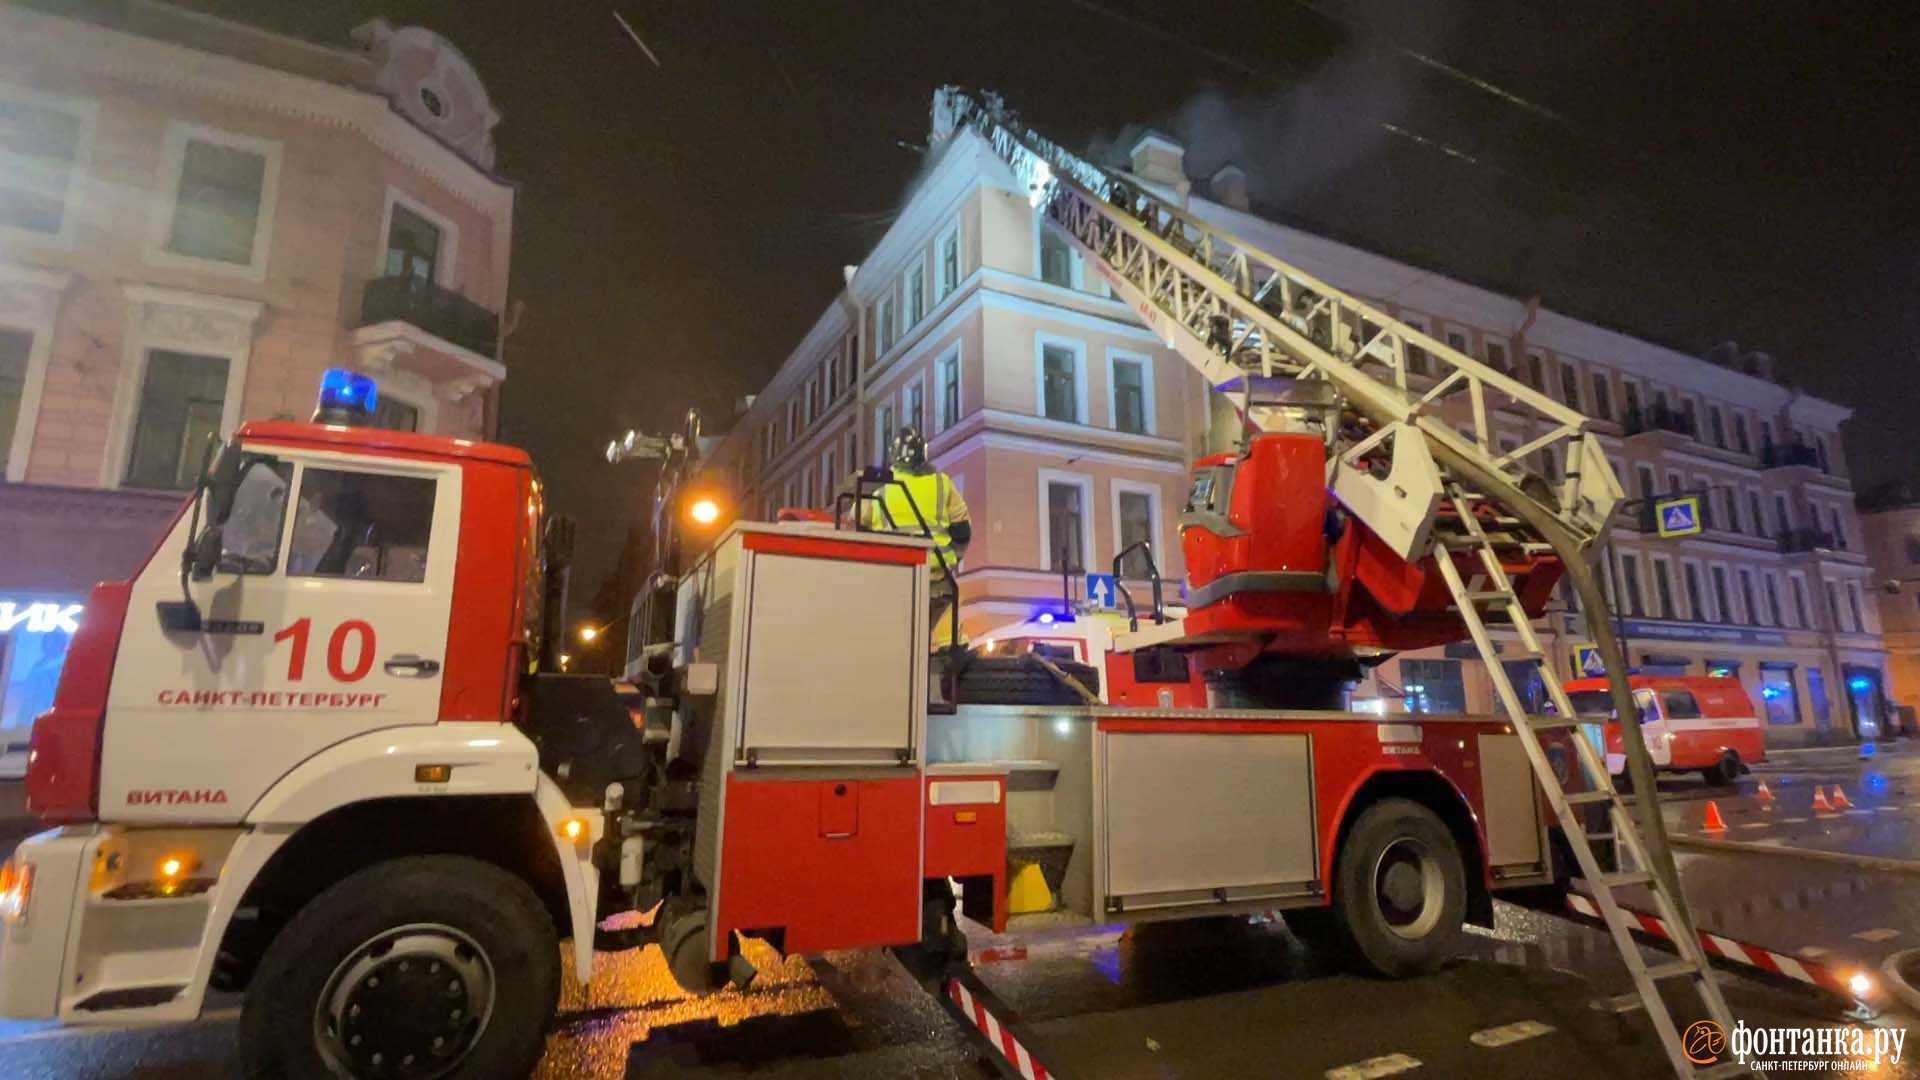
<point x="1810" y="972"/>
<point x="996" y="1033"/>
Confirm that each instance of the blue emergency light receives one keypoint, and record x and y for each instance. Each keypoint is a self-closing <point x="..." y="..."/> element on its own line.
<point x="346" y="397"/>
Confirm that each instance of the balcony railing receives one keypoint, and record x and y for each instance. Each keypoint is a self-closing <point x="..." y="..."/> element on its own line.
<point x="1780" y="457"/>
<point x="1660" y="418"/>
<point x="1797" y="540"/>
<point x="439" y="311"/>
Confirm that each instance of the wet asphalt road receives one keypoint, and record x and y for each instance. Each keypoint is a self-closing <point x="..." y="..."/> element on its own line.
<point x="1234" y="997"/>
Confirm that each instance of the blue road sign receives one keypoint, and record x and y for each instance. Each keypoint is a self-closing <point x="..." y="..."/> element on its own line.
<point x="1587" y="663"/>
<point x="1678" y="517"/>
<point x="1103" y="590"/>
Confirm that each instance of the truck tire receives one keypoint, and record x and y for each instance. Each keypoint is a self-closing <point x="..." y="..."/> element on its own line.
<point x="1726" y="771"/>
<point x="1401" y="890"/>
<point x="1015" y="680"/>
<point x="419" y="967"/>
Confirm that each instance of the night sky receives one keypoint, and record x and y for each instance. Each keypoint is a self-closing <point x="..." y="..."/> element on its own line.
<point x="1690" y="173"/>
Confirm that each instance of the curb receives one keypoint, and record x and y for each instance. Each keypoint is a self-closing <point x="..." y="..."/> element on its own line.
<point x="1744" y="847"/>
<point x="1897" y="983"/>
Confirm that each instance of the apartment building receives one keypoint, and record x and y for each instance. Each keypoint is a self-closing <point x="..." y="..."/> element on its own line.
<point x="197" y="218"/>
<point x="1890" y="520"/>
<point x="1069" y="428"/>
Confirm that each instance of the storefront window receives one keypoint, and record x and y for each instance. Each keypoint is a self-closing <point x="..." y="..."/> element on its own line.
<point x="34" y="635"/>
<point x="1433" y="686"/>
<point x="1777" y="695"/>
<point x="1817" y="693"/>
<point x="1865" y="699"/>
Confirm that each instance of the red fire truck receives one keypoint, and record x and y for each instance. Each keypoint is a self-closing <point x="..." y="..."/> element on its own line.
<point x="318" y="748"/>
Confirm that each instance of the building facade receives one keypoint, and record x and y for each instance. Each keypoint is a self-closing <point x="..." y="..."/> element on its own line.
<point x="197" y="218"/>
<point x="1069" y="429"/>
<point x="1890" y="520"/>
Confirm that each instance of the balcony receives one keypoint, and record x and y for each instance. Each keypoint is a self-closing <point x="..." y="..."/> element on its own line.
<point x="1660" y="418"/>
<point x="1796" y="541"/>
<point x="439" y="311"/>
<point x="1781" y="457"/>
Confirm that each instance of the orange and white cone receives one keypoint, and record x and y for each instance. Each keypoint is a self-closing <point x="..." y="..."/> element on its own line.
<point x="1763" y="794"/>
<point x="1820" y="798"/>
<point x="1840" y="799"/>
<point x="1713" y="823"/>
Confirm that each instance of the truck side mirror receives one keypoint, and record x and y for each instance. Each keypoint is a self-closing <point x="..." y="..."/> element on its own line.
<point x="203" y="554"/>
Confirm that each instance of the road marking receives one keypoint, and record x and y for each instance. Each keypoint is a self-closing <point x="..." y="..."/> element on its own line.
<point x="1885" y="809"/>
<point x="1861" y="812"/>
<point x="1373" y="1068"/>
<point x="1877" y="934"/>
<point x="1793" y="821"/>
<point x="1753" y="824"/>
<point x="1509" y="1033"/>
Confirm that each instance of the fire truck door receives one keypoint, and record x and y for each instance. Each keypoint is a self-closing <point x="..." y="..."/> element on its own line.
<point x="326" y="617"/>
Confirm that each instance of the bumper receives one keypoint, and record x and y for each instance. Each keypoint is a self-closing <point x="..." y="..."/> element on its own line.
<point x="33" y="947"/>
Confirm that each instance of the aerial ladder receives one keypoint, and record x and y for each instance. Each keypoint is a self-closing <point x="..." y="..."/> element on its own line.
<point x="1249" y="322"/>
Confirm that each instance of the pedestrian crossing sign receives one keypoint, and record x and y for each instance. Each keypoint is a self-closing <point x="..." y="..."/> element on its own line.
<point x="1677" y="517"/>
<point x="1587" y="663"/>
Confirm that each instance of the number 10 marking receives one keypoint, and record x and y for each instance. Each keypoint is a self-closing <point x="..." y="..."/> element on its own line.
<point x="299" y="631"/>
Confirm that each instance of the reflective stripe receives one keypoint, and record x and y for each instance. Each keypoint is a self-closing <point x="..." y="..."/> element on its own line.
<point x="928" y="492"/>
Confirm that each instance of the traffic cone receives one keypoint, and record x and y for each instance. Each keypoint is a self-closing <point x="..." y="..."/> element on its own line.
<point x="1713" y="822"/>
<point x="1765" y="796"/>
<point x="1820" y="798"/>
<point x="1840" y="799"/>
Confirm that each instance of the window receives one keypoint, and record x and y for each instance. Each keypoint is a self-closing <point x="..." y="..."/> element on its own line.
<point x="809" y="402"/>
<point x="1754" y="511"/>
<point x="1537" y="372"/>
<point x="1630" y="397"/>
<point x="1497" y="355"/>
<point x="222" y="189"/>
<point x="361" y="525"/>
<point x="1913" y="542"/>
<point x="1056" y="258"/>
<point x="1800" y="602"/>
<point x="1772" y="585"/>
<point x="1066" y="526"/>
<point x="887" y="329"/>
<point x="1663" y="588"/>
<point x="946" y="261"/>
<point x="1645" y="475"/>
<point x="182" y="399"/>
<point x="1732" y="503"/>
<point x="16" y="347"/>
<point x="413" y="246"/>
<point x="1602" y="396"/>
<point x="882" y="432"/>
<point x="1691" y="415"/>
<point x="1777" y="693"/>
<point x="1630" y="584"/>
<point x="1136" y="521"/>
<point x="913" y="406"/>
<point x="1717" y="423"/>
<point x="1061" y="396"/>
<point x="1741" y="440"/>
<point x="1569" y="385"/>
<point x="1680" y="705"/>
<point x="806" y="487"/>
<point x="1839" y="529"/>
<point x="395" y="415"/>
<point x="832" y="376"/>
<point x="41" y="143"/>
<point x="1549" y="464"/>
<point x="1433" y="686"/>
<point x="793" y="421"/>
<point x="946" y="381"/>
<point x="1781" y="514"/>
<point x="829" y="479"/>
<point x="1746" y="597"/>
<point x="1690" y="573"/>
<point x="1853" y="605"/>
<point x="916" y="294"/>
<point x="1675" y="485"/>
<point x="250" y="539"/>
<point x="1130" y="384"/>
<point x="1720" y="598"/>
<point x="1833" y="604"/>
<point x="1707" y="498"/>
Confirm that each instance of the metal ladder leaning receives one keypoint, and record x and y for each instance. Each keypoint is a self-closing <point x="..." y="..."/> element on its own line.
<point x="1497" y="594"/>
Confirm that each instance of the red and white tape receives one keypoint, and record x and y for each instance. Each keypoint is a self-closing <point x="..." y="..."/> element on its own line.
<point x="996" y="1034"/>
<point x="1774" y="963"/>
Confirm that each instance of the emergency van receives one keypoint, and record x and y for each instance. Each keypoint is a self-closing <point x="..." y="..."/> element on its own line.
<point x="1703" y="722"/>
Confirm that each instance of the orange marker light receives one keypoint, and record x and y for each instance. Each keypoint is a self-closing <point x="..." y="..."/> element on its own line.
<point x="574" y="829"/>
<point x="16" y="888"/>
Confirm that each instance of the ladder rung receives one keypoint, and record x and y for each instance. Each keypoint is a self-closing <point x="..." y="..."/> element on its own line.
<point x="1622" y="878"/>
<point x="1593" y="836"/>
<point x="1672" y="969"/>
<point x="1581" y="798"/>
<point x="1490" y="596"/>
<point x="1548" y="723"/>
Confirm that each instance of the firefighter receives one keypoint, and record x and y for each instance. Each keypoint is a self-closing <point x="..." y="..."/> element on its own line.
<point x="933" y="493"/>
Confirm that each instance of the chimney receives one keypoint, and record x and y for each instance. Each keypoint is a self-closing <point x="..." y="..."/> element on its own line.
<point x="1229" y="186"/>
<point x="1759" y="365"/>
<point x="1726" y="354"/>
<point x="1159" y="160"/>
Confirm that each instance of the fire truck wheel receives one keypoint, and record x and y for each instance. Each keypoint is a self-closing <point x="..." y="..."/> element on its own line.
<point x="688" y="944"/>
<point x="1400" y="889"/>
<point x="1725" y="772"/>
<point x="420" y="967"/>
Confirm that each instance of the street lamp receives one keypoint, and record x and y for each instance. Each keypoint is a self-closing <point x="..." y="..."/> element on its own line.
<point x="588" y="633"/>
<point x="704" y="511"/>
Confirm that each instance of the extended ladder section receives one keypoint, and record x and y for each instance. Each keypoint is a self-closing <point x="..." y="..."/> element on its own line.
<point x="1244" y="319"/>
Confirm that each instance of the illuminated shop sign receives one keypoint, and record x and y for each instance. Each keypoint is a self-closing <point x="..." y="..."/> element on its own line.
<point x="39" y="617"/>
